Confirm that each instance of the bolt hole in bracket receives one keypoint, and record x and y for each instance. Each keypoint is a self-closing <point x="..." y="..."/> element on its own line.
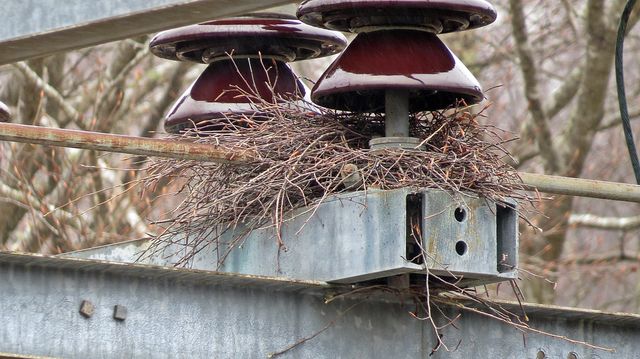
<point x="460" y="214"/>
<point x="461" y="248"/>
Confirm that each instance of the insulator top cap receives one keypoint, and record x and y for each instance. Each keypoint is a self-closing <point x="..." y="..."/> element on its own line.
<point x="255" y="35"/>
<point x="413" y="61"/>
<point x="437" y="16"/>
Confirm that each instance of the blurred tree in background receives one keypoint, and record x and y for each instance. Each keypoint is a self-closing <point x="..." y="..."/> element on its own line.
<point x="547" y="69"/>
<point x="56" y="199"/>
<point x="551" y="63"/>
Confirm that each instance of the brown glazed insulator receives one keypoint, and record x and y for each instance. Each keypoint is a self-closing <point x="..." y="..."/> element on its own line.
<point x="415" y="61"/>
<point x="245" y="55"/>
<point x="437" y="16"/>
<point x="259" y="35"/>
<point x="218" y="98"/>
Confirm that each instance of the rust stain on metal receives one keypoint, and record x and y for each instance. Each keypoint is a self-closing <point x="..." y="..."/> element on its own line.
<point x="122" y="144"/>
<point x="210" y="153"/>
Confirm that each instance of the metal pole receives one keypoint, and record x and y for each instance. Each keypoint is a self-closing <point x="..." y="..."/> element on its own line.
<point x="581" y="187"/>
<point x="202" y="152"/>
<point x="396" y="104"/>
<point x="122" y="144"/>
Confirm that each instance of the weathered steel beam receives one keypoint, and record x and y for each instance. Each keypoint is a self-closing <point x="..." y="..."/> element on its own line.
<point x="119" y="143"/>
<point x="41" y="27"/>
<point x="180" y="313"/>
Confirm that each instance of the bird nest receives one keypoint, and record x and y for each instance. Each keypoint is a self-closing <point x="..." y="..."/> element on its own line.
<point x="305" y="155"/>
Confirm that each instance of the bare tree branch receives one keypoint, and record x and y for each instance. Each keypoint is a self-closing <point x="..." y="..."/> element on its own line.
<point x="614" y="121"/>
<point x="51" y="93"/>
<point x="608" y="223"/>
<point x="31" y="201"/>
<point x="539" y="127"/>
<point x="565" y="93"/>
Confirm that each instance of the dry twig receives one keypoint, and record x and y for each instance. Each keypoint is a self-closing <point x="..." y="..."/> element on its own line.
<point x="306" y="155"/>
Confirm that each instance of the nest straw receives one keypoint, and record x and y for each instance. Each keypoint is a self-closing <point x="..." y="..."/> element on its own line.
<point x="306" y="154"/>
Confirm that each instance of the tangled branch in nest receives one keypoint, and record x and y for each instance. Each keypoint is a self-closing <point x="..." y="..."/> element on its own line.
<point x="305" y="156"/>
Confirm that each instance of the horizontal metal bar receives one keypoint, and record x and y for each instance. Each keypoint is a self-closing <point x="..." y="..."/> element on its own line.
<point x="581" y="187"/>
<point x="120" y="143"/>
<point x="182" y="313"/>
<point x="187" y="150"/>
<point x="41" y="27"/>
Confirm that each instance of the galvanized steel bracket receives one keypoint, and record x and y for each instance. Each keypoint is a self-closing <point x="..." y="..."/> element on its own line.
<point x="363" y="236"/>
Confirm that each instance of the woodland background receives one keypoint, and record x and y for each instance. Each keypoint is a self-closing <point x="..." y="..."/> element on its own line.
<point x="547" y="70"/>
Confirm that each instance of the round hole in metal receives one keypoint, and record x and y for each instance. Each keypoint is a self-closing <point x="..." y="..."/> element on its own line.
<point x="461" y="248"/>
<point x="460" y="214"/>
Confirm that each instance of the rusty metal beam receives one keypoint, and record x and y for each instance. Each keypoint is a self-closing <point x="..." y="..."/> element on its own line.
<point x="201" y="152"/>
<point x="38" y="28"/>
<point x="580" y="187"/>
<point x="119" y="143"/>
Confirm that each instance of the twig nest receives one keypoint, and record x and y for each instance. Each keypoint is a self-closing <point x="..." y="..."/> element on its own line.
<point x="304" y="158"/>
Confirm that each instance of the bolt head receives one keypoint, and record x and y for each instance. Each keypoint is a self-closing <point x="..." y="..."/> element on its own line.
<point x="87" y="309"/>
<point x="119" y="312"/>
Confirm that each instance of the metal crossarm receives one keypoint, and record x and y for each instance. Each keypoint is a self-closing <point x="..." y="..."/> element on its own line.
<point x="41" y="27"/>
<point x="120" y="143"/>
<point x="181" y="313"/>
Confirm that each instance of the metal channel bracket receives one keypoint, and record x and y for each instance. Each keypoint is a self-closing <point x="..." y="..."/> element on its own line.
<point x="363" y="236"/>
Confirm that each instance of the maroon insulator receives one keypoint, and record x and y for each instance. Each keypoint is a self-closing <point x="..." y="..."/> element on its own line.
<point x="414" y="61"/>
<point x="246" y="58"/>
<point x="396" y="65"/>
<point x="221" y="92"/>
<point x="439" y="16"/>
<point x="5" y="114"/>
